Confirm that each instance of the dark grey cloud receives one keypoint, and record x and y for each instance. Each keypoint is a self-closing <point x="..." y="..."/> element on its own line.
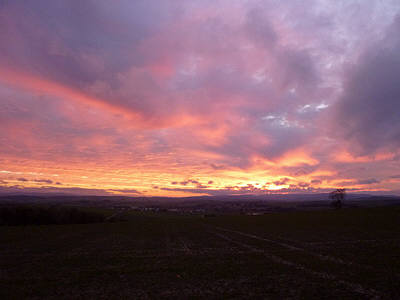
<point x="76" y="41"/>
<point x="48" y="181"/>
<point x="250" y="189"/>
<point x="217" y="167"/>
<point x="368" y="181"/>
<point x="126" y="191"/>
<point x="303" y="184"/>
<point x="299" y="69"/>
<point x="301" y="170"/>
<point x="260" y="29"/>
<point x="282" y="181"/>
<point x="186" y="182"/>
<point x="368" y="113"/>
<point x="17" y="189"/>
<point x="230" y="190"/>
<point x="316" y="181"/>
<point x="194" y="182"/>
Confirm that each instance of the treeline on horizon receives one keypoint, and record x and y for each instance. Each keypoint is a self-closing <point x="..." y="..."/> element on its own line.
<point x="45" y="215"/>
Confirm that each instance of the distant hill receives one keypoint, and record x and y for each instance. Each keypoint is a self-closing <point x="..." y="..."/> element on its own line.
<point x="221" y="204"/>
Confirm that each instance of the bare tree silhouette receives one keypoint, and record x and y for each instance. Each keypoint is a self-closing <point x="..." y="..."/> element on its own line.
<point x="337" y="197"/>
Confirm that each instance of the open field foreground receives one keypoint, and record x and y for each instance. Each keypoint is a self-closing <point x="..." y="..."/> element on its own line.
<point x="348" y="253"/>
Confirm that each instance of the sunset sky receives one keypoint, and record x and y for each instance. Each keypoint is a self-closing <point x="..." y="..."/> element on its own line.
<point x="199" y="97"/>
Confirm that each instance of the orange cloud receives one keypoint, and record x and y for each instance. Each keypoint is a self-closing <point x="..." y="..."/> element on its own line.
<point x="347" y="157"/>
<point x="135" y="117"/>
<point x="295" y="158"/>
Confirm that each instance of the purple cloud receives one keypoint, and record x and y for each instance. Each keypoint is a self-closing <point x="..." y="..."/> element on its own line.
<point x="367" y="113"/>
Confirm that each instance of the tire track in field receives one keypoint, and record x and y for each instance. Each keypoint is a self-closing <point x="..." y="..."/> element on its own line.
<point x="355" y="287"/>
<point x="352" y="241"/>
<point x="296" y="248"/>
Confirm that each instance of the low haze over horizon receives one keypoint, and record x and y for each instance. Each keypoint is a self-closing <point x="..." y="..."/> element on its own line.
<point x="199" y="97"/>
